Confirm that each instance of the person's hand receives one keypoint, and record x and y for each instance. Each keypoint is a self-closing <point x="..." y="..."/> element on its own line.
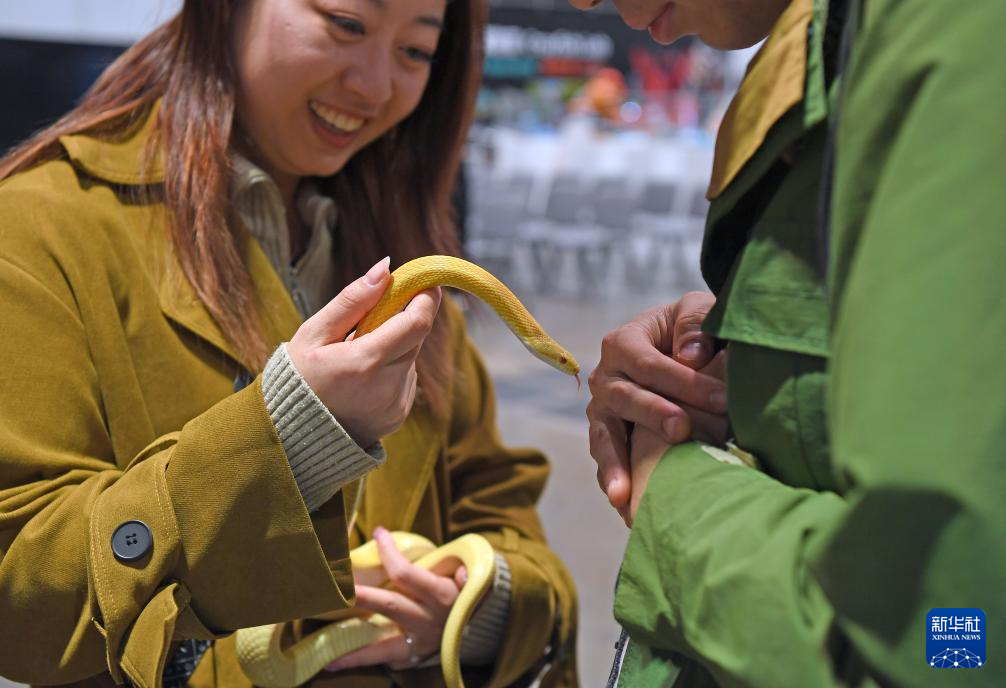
<point x="369" y="383"/>
<point x="658" y="372"/>
<point x="647" y="450"/>
<point x="418" y="604"/>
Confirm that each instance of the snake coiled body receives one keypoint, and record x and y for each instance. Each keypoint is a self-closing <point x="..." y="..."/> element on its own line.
<point x="268" y="663"/>
<point x="261" y="651"/>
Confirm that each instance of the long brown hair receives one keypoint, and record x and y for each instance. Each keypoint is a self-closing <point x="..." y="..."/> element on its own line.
<point x="393" y="197"/>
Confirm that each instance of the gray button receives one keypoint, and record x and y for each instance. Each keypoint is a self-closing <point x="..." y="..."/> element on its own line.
<point x="131" y="540"/>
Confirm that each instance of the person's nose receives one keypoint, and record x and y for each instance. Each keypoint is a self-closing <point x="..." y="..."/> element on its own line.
<point x="370" y="77"/>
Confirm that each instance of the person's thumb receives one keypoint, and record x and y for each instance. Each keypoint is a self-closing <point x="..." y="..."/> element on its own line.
<point x="334" y="321"/>
<point x="692" y="347"/>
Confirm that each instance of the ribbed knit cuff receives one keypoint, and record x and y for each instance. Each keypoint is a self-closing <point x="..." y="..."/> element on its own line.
<point x="480" y="641"/>
<point x="322" y="455"/>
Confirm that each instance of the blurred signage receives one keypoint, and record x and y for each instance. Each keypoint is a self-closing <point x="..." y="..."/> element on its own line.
<point x="517" y="52"/>
<point x="523" y="43"/>
<point x="517" y="41"/>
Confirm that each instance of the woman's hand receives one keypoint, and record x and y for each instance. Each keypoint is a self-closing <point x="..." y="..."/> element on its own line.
<point x="658" y="372"/>
<point x="419" y="604"/>
<point x="368" y="384"/>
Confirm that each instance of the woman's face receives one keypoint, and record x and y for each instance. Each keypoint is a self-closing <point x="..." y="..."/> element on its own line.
<point x="318" y="80"/>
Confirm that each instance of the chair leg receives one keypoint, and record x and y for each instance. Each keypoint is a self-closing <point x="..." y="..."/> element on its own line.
<point x="594" y="265"/>
<point x="545" y="266"/>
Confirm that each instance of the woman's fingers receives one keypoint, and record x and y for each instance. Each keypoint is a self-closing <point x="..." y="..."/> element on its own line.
<point x="394" y="651"/>
<point x="338" y="316"/>
<point x="405" y="331"/>
<point x="403" y="610"/>
<point x="414" y="581"/>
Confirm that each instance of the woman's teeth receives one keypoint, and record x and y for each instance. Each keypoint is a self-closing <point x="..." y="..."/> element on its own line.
<point x="336" y="120"/>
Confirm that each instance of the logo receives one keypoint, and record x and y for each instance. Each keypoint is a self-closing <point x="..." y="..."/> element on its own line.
<point x="955" y="638"/>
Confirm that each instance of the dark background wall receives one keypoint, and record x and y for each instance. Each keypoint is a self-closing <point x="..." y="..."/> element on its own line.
<point x="42" y="80"/>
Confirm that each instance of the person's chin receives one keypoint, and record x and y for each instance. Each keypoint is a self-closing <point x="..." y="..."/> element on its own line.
<point x="328" y="166"/>
<point x="668" y="27"/>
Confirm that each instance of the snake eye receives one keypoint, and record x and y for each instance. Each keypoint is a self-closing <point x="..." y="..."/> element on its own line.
<point x="562" y="359"/>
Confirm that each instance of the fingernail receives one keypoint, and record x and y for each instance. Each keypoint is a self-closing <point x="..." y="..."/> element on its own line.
<point x="380" y="531"/>
<point x="693" y="351"/>
<point x="669" y="426"/>
<point x="376" y="274"/>
<point x="718" y="400"/>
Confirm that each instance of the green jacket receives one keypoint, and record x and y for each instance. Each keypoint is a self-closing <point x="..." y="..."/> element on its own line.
<point x="876" y="405"/>
<point x="118" y="404"/>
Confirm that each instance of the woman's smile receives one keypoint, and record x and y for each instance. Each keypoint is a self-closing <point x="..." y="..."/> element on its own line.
<point x="338" y="121"/>
<point x="334" y="128"/>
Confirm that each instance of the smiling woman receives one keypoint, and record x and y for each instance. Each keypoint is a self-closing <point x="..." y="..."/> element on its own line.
<point x="183" y="251"/>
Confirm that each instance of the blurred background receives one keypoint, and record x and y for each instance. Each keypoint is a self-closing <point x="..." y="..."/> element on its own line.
<point x="583" y="190"/>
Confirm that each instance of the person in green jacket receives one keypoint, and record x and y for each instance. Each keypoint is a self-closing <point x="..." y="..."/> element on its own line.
<point x="864" y="365"/>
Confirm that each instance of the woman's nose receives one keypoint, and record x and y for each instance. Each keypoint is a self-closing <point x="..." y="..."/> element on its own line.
<point x="369" y="77"/>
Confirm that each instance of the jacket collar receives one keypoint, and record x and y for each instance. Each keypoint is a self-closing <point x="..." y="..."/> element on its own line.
<point x="126" y="161"/>
<point x="774" y="83"/>
<point x="122" y="160"/>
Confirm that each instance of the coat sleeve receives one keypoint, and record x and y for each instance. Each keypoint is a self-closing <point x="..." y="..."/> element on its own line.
<point x="233" y="544"/>
<point x="768" y="585"/>
<point x="495" y="493"/>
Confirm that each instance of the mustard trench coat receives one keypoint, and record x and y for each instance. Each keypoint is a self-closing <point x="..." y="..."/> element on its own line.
<point x="118" y="404"/>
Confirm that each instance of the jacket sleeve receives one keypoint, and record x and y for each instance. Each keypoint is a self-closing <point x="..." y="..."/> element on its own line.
<point x="233" y="544"/>
<point x="717" y="568"/>
<point x="769" y="585"/>
<point x="495" y="493"/>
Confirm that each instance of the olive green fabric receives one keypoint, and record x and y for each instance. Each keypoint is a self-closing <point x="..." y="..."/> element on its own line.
<point x="876" y="406"/>
<point x="118" y="403"/>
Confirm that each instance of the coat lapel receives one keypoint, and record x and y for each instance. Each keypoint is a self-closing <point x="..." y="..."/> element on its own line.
<point x="127" y="162"/>
<point x="277" y="313"/>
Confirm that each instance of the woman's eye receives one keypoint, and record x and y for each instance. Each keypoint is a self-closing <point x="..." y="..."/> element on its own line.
<point x="346" y="24"/>
<point x="419" y="55"/>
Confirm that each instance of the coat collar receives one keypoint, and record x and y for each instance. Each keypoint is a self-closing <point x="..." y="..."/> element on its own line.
<point x="774" y="83"/>
<point x="122" y="160"/>
<point x="126" y="161"/>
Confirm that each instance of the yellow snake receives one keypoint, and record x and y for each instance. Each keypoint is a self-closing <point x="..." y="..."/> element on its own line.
<point x="264" y="657"/>
<point x="268" y="663"/>
<point x="431" y="271"/>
